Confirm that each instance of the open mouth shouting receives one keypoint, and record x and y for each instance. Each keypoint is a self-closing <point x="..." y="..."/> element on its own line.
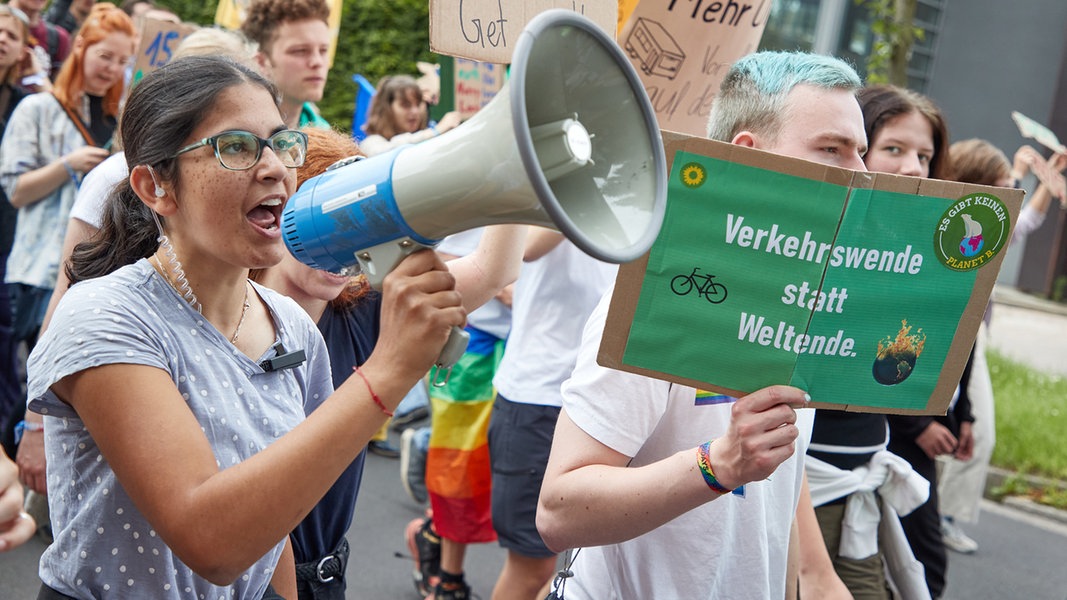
<point x="267" y="216"/>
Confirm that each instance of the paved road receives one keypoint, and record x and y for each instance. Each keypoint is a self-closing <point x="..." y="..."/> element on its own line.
<point x="1036" y="338"/>
<point x="1020" y="556"/>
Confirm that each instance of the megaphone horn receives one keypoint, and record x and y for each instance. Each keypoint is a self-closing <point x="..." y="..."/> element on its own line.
<point x="570" y="143"/>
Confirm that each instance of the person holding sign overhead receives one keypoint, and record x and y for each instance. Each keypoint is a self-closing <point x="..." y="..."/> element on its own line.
<point x="677" y="493"/>
<point x="961" y="483"/>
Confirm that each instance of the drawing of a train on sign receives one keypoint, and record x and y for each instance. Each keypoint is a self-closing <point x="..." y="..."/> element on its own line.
<point x="655" y="49"/>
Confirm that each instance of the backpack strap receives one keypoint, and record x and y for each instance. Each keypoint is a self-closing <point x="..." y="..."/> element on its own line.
<point x="77" y="123"/>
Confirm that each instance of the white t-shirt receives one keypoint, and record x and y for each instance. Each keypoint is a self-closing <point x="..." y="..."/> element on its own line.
<point x="731" y="548"/>
<point x="553" y="297"/>
<point x="96" y="188"/>
<point x="494" y="316"/>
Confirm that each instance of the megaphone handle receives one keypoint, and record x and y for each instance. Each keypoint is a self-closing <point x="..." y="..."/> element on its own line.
<point x="450" y="355"/>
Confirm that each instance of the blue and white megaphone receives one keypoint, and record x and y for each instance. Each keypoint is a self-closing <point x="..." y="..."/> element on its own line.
<point x="570" y="143"/>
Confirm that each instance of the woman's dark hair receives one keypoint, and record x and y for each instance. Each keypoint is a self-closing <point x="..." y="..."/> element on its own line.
<point x="162" y="112"/>
<point x="883" y="103"/>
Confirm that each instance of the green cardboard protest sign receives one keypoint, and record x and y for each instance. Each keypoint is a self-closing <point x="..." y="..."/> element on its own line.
<point x="866" y="290"/>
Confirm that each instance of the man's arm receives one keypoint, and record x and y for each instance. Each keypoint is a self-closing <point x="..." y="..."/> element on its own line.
<point x="589" y="496"/>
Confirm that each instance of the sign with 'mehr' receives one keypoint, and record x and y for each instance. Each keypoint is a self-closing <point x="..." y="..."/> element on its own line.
<point x="866" y="290"/>
<point x="682" y="49"/>
<point x="486" y="30"/>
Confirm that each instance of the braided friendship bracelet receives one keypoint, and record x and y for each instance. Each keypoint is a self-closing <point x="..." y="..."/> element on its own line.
<point x="704" y="460"/>
<point x="377" y="400"/>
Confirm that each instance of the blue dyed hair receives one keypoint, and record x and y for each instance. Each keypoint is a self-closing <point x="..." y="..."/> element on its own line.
<point x="752" y="95"/>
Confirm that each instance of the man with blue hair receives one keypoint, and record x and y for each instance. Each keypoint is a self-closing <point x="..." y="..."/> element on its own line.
<point x="646" y="475"/>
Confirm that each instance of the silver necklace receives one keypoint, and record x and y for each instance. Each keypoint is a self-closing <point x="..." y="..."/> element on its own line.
<point x="196" y="304"/>
<point x="244" y="311"/>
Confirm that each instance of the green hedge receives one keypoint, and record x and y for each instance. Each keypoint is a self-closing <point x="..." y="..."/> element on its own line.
<point x="378" y="38"/>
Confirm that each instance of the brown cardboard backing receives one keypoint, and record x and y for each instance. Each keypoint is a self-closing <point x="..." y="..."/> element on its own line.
<point x="631" y="275"/>
<point x="487" y="30"/>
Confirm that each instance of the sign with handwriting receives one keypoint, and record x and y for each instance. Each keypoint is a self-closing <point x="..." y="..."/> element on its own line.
<point x="158" y="41"/>
<point x="681" y="49"/>
<point x="486" y="30"/>
<point x="476" y="84"/>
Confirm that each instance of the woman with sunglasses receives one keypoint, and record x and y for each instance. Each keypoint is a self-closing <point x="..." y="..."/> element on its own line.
<point x="172" y="388"/>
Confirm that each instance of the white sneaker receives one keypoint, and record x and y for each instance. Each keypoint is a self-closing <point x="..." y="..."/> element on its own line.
<point x="412" y="467"/>
<point x="955" y="539"/>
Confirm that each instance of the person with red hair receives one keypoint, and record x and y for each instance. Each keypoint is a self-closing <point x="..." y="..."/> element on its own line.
<point x="52" y="140"/>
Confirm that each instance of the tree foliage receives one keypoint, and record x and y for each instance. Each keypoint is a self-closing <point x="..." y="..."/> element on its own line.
<point x="377" y="38"/>
<point x="894" y="34"/>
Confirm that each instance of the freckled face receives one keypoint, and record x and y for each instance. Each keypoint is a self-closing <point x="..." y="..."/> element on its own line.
<point x="233" y="217"/>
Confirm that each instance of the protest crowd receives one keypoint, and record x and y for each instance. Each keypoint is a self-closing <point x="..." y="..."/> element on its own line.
<point x="150" y="309"/>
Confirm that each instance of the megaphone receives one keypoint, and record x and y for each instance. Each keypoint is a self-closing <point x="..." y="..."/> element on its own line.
<point x="570" y="143"/>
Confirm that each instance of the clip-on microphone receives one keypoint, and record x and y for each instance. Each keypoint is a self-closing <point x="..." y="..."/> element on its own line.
<point x="284" y="360"/>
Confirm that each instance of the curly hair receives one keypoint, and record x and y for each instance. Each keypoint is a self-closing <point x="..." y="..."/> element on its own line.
<point x="265" y="16"/>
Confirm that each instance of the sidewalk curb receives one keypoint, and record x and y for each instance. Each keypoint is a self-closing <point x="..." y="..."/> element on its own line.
<point x="997" y="477"/>
<point x="1010" y="296"/>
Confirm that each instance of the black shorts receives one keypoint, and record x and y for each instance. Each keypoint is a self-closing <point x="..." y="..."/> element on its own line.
<point x="520" y="438"/>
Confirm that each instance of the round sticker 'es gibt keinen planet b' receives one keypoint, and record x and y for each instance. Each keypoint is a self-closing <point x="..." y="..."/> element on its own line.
<point x="971" y="232"/>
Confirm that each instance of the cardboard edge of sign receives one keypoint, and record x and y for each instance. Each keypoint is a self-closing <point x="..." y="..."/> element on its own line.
<point x="628" y="282"/>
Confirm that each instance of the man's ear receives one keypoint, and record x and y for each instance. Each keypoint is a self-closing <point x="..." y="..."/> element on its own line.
<point x="153" y="191"/>
<point x="745" y="138"/>
<point x="264" y="63"/>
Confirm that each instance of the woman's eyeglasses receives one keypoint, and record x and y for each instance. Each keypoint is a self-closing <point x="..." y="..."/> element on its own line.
<point x="240" y="150"/>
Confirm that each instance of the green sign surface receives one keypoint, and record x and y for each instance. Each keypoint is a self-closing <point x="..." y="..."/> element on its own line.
<point x="761" y="278"/>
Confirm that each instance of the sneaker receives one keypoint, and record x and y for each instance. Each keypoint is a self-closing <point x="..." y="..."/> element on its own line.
<point x="403" y="421"/>
<point x="412" y="467"/>
<point x="425" y="547"/>
<point x="382" y="448"/>
<point x="450" y="591"/>
<point x="955" y="539"/>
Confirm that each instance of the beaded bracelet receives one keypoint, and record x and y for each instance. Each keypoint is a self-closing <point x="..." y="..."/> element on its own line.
<point x="704" y="460"/>
<point x="377" y="400"/>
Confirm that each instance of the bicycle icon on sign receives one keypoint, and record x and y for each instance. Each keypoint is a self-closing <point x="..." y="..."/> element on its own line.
<point x="704" y="284"/>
